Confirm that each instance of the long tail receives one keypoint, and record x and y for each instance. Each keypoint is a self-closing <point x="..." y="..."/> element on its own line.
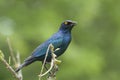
<point x="28" y="61"/>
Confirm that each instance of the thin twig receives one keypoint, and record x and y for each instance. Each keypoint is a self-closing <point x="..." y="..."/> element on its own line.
<point x="8" y="66"/>
<point x="44" y="62"/>
<point x="54" y="61"/>
<point x="11" y="51"/>
<point x="18" y="64"/>
<point x="51" y="66"/>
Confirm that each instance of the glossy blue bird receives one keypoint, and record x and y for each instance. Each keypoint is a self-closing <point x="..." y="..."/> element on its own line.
<point x="60" y="39"/>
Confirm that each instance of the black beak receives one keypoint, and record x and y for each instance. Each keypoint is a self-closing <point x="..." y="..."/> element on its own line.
<point x="74" y="23"/>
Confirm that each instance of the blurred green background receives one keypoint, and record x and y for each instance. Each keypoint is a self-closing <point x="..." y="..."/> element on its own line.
<point x="94" y="53"/>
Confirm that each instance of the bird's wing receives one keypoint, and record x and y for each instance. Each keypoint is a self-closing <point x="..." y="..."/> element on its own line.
<point x="41" y="50"/>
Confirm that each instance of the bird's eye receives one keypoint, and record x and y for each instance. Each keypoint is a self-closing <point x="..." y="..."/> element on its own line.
<point x="67" y="23"/>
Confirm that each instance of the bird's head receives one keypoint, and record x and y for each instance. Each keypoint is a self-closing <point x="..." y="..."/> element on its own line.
<point x="67" y="26"/>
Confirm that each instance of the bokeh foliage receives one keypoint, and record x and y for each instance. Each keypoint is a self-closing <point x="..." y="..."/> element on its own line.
<point x="94" y="53"/>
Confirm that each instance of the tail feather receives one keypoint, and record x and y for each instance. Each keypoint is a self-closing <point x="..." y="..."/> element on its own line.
<point x="20" y="67"/>
<point x="28" y="61"/>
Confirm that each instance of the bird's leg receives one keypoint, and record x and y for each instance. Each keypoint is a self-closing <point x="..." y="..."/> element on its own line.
<point x="46" y="68"/>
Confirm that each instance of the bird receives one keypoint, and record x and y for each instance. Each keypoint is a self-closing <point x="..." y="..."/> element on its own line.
<point x="61" y="39"/>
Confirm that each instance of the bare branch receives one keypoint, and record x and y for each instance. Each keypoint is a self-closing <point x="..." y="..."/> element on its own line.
<point x="11" y="51"/>
<point x="53" y="65"/>
<point x="8" y="66"/>
<point x="44" y="62"/>
<point x="15" y="59"/>
<point x="18" y="64"/>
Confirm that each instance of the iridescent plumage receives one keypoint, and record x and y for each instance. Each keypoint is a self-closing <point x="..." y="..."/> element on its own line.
<point x="60" y="39"/>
